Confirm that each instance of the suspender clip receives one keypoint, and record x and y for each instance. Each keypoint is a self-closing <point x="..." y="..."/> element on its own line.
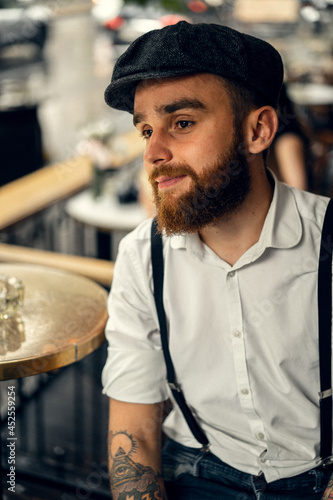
<point x="205" y="448"/>
<point x="174" y="386"/>
<point x="325" y="394"/>
<point x="327" y="461"/>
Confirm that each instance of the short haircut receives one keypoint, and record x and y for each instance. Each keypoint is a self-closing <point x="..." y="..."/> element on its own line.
<point x="243" y="100"/>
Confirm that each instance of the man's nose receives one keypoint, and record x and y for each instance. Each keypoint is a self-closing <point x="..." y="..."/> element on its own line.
<point x="157" y="149"/>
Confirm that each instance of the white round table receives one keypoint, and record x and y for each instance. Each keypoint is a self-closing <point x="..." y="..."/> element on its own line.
<point x="105" y="213"/>
<point x="107" y="216"/>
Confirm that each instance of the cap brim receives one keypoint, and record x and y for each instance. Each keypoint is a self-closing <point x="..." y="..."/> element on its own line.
<point x="120" y="94"/>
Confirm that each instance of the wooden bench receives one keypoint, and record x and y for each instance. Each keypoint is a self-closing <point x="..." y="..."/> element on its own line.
<point x="34" y="192"/>
<point x="95" y="269"/>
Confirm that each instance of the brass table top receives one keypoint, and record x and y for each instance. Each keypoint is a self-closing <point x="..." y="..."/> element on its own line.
<point x="62" y="320"/>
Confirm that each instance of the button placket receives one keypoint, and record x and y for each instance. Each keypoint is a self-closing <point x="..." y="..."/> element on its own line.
<point x="262" y="457"/>
<point x="236" y="325"/>
<point x="259" y="432"/>
<point x="240" y="360"/>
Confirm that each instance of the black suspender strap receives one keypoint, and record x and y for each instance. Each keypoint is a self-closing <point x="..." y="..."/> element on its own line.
<point x="325" y="332"/>
<point x="158" y="278"/>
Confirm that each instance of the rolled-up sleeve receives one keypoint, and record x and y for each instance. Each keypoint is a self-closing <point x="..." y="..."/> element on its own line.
<point x="134" y="370"/>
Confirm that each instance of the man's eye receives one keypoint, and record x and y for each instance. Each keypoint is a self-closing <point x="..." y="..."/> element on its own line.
<point x="183" y="124"/>
<point x="146" y="133"/>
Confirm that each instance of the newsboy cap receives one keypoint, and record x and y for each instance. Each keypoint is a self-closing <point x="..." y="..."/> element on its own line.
<point x="186" y="49"/>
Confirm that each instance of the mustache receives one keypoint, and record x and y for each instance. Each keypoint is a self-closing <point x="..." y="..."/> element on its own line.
<point x="172" y="171"/>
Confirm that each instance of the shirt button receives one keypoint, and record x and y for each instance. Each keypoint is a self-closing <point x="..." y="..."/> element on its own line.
<point x="261" y="436"/>
<point x="237" y="334"/>
<point x="245" y="391"/>
<point x="232" y="274"/>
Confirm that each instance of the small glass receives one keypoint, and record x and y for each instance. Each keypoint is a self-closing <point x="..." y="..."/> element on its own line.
<point x="11" y="296"/>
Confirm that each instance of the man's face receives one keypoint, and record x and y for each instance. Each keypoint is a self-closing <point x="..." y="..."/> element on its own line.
<point x="193" y="155"/>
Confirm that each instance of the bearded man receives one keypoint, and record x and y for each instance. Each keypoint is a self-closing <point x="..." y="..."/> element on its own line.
<point x="240" y="255"/>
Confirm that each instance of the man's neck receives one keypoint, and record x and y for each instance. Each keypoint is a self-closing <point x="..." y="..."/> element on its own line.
<point x="231" y="237"/>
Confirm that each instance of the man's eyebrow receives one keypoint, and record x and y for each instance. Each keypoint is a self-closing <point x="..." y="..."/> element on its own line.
<point x="171" y="108"/>
<point x="138" y="118"/>
<point x="181" y="104"/>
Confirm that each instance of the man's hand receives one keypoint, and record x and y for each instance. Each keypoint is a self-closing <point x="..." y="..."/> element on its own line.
<point x="135" y="451"/>
<point x="328" y="495"/>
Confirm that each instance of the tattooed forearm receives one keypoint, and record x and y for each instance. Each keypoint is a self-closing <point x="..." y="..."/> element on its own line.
<point x="328" y="495"/>
<point x="129" y="479"/>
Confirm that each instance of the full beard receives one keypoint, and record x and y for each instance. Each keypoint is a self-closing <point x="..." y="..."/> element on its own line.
<point x="215" y="194"/>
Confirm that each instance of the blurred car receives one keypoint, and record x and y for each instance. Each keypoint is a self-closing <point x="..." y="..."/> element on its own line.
<point x="22" y="23"/>
<point x="127" y="21"/>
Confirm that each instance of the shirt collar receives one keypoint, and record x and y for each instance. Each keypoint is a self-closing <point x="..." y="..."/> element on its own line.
<point x="282" y="227"/>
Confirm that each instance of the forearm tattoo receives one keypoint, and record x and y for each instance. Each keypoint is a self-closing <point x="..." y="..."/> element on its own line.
<point x="129" y="479"/>
<point x="328" y="495"/>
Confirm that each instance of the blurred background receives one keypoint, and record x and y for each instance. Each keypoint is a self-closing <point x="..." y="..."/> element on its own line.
<point x="56" y="58"/>
<point x="71" y="180"/>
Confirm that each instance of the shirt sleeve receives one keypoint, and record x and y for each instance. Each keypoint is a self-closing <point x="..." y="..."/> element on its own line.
<point x="134" y="370"/>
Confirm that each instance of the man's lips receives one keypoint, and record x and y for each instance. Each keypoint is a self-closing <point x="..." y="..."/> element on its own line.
<point x="165" y="181"/>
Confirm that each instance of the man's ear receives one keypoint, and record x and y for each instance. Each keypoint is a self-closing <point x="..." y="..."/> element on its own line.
<point x="260" y="128"/>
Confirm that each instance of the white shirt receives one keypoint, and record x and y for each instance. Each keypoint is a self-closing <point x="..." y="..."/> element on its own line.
<point x="243" y="339"/>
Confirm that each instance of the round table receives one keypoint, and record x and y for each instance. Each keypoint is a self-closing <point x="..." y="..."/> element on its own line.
<point x="105" y="213"/>
<point x="62" y="320"/>
<point x="110" y="219"/>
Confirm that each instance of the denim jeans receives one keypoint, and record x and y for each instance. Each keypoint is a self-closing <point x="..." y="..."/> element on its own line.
<point x="191" y="474"/>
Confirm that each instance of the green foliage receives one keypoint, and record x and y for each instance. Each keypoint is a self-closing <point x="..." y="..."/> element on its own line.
<point x="170" y="5"/>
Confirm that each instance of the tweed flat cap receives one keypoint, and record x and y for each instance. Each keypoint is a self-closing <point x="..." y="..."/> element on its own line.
<point x="185" y="49"/>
